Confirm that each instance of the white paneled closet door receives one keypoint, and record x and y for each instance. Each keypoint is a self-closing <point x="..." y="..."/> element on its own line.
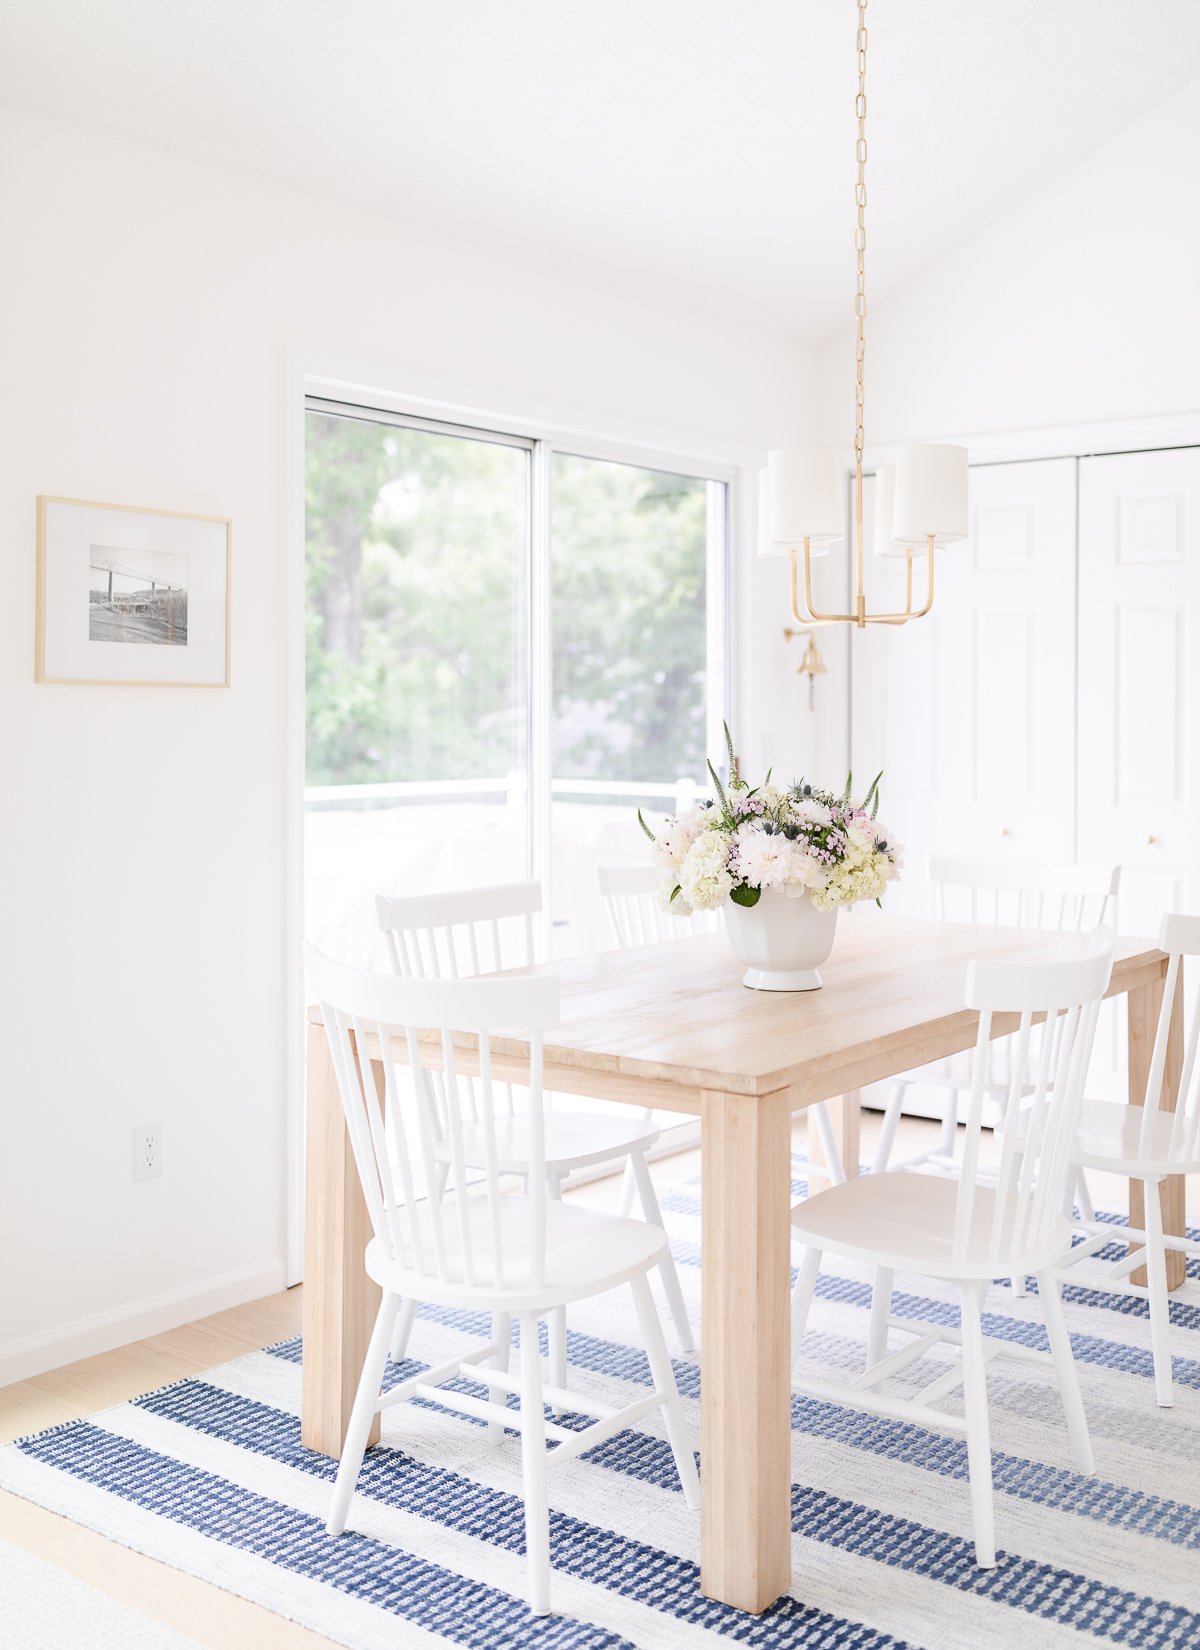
<point x="1139" y="678"/>
<point x="971" y="712"/>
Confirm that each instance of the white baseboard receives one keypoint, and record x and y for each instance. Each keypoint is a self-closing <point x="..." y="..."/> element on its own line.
<point x="19" y="1360"/>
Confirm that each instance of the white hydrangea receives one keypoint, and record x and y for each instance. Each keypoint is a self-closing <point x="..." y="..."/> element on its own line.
<point x="860" y="876"/>
<point x="704" y="877"/>
<point x="670" y="896"/>
<point x="676" y="837"/>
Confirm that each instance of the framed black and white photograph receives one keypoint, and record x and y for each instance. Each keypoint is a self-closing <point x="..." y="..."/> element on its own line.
<point x="132" y="596"/>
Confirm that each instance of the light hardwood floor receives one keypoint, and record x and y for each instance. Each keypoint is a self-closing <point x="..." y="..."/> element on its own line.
<point x="209" y="1615"/>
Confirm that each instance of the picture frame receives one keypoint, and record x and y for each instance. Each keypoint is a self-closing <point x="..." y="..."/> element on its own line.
<point x="130" y="596"/>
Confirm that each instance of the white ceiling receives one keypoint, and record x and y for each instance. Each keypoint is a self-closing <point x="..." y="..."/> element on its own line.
<point x="697" y="150"/>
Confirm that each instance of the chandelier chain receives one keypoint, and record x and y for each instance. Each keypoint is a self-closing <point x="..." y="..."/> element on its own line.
<point x="860" y="233"/>
<point x="810" y="614"/>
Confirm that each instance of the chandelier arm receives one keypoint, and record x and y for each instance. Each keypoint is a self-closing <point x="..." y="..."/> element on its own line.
<point x="811" y="615"/>
<point x="903" y="618"/>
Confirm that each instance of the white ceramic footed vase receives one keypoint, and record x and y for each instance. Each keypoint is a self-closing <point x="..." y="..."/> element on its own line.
<point x="781" y="940"/>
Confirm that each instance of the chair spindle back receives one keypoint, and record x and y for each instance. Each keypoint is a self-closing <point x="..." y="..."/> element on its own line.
<point x="1068" y="898"/>
<point x="1045" y="1090"/>
<point x="460" y="934"/>
<point x="635" y="917"/>
<point x="379" y="1026"/>
<point x="1179" y="937"/>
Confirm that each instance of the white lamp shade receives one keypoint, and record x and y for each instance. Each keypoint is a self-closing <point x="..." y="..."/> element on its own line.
<point x="930" y="494"/>
<point x="885" y="496"/>
<point x="763" y="524"/>
<point x="804" y="500"/>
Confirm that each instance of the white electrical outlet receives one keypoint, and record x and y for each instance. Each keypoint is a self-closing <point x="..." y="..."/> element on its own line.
<point x="147" y="1150"/>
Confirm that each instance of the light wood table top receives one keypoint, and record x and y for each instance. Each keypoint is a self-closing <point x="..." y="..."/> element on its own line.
<point x="678" y="1013"/>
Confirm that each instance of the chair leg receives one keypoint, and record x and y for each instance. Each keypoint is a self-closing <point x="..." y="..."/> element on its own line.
<point x="881" y="1305"/>
<point x="1083" y="1196"/>
<point x="402" y="1331"/>
<point x="556" y="1321"/>
<point x="802" y="1294"/>
<point x="366" y="1402"/>
<point x="979" y="1448"/>
<point x="666" y="1266"/>
<point x="818" y="1115"/>
<point x="533" y="1469"/>
<point x="502" y="1335"/>
<point x="949" y="1137"/>
<point x="663" y="1377"/>
<point x="887" y="1134"/>
<point x="1160" y="1309"/>
<point x="1068" y="1375"/>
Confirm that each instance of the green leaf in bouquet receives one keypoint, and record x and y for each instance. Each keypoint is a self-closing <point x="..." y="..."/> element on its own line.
<point x="725" y="808"/>
<point x="746" y="896"/>
<point x="734" y="776"/>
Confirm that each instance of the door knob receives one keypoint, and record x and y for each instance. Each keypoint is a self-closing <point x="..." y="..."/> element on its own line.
<point x="1150" y="841"/>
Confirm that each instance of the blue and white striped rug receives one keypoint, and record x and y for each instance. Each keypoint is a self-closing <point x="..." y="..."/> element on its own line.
<point x="209" y="1475"/>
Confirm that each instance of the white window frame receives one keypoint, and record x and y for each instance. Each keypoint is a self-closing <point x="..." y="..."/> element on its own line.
<point x="544" y="433"/>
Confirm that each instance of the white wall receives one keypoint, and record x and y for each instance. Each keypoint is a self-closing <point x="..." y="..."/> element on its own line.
<point x="1077" y="306"/>
<point x="149" y="308"/>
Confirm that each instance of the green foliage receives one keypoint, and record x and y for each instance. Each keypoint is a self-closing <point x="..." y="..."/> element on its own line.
<point x="745" y="895"/>
<point x="416" y="603"/>
<point x="628" y="558"/>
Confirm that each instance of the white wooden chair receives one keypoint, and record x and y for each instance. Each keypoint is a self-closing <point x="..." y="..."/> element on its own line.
<point x="968" y="1232"/>
<point x="476" y="931"/>
<point x="469" y="1244"/>
<point x="630" y="893"/>
<point x="1147" y="1143"/>
<point x="1059" y="899"/>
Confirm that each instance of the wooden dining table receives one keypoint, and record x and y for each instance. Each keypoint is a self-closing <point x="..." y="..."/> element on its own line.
<point x="671" y="1026"/>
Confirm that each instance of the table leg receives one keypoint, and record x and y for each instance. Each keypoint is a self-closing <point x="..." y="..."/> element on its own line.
<point x="1144" y="1007"/>
<point x="845" y="1116"/>
<point x="340" y="1300"/>
<point x="745" y="1387"/>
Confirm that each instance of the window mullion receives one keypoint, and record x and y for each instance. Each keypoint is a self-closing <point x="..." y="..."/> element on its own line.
<point x="540" y="681"/>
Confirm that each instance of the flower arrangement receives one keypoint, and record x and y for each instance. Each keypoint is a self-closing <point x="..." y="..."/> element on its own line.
<point x="802" y="840"/>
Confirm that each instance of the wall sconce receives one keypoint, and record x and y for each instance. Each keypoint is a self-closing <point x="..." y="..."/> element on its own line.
<point x="812" y="665"/>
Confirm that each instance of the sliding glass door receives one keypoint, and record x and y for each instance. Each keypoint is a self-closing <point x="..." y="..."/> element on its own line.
<point x="509" y="648"/>
<point x="637" y="564"/>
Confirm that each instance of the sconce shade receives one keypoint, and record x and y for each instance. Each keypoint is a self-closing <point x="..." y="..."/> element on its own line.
<point x="930" y="494"/>
<point x="885" y="497"/>
<point x="804" y="500"/>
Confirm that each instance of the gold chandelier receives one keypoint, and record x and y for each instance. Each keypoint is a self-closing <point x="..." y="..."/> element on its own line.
<point x="921" y="500"/>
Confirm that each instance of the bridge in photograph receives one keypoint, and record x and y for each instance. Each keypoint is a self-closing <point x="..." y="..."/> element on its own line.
<point x="146" y="609"/>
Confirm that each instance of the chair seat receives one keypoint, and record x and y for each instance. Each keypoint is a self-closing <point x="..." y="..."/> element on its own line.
<point x="587" y="1252"/>
<point x="573" y="1140"/>
<point x="1109" y="1137"/>
<point x="906" y="1222"/>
